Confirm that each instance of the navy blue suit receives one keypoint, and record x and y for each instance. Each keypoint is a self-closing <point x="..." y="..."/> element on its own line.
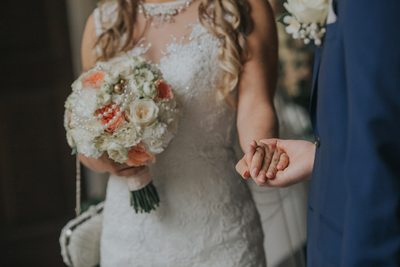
<point x="354" y="201"/>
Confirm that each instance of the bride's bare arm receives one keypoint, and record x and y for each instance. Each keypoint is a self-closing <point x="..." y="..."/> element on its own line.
<point x="88" y="51"/>
<point x="256" y="114"/>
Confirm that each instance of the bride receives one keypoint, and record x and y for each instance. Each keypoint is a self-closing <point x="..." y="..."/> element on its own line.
<point x="221" y="58"/>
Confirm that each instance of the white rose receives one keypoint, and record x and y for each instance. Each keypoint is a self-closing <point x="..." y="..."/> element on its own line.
<point x="149" y="89"/>
<point x="120" y="65"/>
<point x="132" y="86"/>
<point x="77" y="84"/>
<point x="143" y="74"/>
<point x="127" y="135"/>
<point x="112" y="77"/>
<point x="84" y="141"/>
<point x="148" y="75"/>
<point x="308" y="11"/>
<point x="85" y="103"/>
<point x="155" y="137"/>
<point x="117" y="152"/>
<point x="143" y="111"/>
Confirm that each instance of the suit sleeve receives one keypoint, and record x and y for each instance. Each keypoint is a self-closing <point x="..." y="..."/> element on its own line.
<point x="371" y="39"/>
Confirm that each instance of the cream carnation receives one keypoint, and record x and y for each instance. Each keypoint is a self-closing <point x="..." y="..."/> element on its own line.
<point x="149" y="90"/>
<point x="127" y="135"/>
<point x="117" y="152"/>
<point x="155" y="137"/>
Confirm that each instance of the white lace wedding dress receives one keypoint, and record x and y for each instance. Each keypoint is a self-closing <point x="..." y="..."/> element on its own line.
<point x="207" y="216"/>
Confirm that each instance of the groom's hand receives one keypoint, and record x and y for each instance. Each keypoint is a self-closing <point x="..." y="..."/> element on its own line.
<point x="301" y="156"/>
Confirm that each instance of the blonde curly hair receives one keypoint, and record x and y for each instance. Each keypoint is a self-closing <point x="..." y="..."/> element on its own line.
<point x="228" y="20"/>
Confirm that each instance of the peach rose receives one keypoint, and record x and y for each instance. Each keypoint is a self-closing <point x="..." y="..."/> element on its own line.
<point x="164" y="90"/>
<point x="121" y="119"/>
<point x="94" y="79"/>
<point x="138" y="156"/>
<point x="143" y="111"/>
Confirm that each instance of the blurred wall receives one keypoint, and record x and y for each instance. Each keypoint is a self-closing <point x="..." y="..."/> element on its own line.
<point x="78" y="12"/>
<point x="36" y="170"/>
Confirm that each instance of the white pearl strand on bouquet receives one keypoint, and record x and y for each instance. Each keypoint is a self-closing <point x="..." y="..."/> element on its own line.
<point x="126" y="97"/>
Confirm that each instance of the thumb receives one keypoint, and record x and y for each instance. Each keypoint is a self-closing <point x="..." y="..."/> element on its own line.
<point x="283" y="179"/>
<point x="243" y="169"/>
<point x="269" y="142"/>
<point x="283" y="145"/>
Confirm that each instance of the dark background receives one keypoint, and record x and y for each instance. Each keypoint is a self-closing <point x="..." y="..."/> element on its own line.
<point x="36" y="169"/>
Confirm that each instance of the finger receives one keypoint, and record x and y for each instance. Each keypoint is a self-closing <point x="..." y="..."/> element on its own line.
<point x="268" y="152"/>
<point x="242" y="169"/>
<point x="269" y="142"/>
<point x="115" y="167"/>
<point x="257" y="162"/>
<point x="129" y="171"/>
<point x="283" y="162"/>
<point x="260" y="180"/>
<point x="250" y="152"/>
<point x="273" y="183"/>
<point x="93" y="164"/>
<point x="272" y="169"/>
<point x="281" y="180"/>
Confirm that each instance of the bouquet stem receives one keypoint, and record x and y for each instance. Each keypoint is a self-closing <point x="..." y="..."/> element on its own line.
<point x="144" y="196"/>
<point x="145" y="199"/>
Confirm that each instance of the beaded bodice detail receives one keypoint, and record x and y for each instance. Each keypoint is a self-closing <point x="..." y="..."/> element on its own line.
<point x="163" y="13"/>
<point x="207" y="216"/>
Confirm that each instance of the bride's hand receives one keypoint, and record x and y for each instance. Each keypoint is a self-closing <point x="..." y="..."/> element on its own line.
<point x="104" y="164"/>
<point x="262" y="161"/>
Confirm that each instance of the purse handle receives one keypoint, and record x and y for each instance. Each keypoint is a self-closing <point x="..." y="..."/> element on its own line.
<point x="78" y="187"/>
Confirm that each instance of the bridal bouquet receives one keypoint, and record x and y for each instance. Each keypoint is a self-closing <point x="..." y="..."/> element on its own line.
<point x="124" y="109"/>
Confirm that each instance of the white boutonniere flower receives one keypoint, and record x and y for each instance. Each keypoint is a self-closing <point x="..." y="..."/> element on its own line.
<point x="306" y="19"/>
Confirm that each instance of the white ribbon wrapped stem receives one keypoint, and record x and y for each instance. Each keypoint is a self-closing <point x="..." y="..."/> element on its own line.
<point x="140" y="180"/>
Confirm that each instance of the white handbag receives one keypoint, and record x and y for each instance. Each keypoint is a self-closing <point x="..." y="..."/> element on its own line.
<point x="80" y="238"/>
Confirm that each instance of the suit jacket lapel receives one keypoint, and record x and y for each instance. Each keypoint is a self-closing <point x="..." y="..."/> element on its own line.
<point x="314" y="90"/>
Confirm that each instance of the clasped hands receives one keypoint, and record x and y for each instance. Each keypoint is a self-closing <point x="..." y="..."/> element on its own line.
<point x="277" y="163"/>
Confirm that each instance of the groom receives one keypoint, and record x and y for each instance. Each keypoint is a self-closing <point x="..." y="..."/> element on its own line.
<point x="354" y="200"/>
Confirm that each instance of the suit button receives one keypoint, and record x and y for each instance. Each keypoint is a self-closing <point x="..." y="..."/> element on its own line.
<point x="317" y="142"/>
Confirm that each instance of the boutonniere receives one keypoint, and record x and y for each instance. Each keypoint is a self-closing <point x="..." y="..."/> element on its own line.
<point x="306" y="19"/>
